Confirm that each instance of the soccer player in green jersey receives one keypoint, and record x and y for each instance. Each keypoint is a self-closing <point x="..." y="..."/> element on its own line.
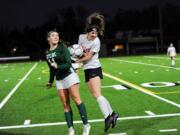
<point x="67" y="81"/>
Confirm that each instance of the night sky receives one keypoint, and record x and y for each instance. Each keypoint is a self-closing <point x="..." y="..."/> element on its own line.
<point x="34" y="12"/>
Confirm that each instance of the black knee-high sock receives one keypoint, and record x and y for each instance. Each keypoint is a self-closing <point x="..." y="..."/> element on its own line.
<point x="71" y="112"/>
<point x="83" y="113"/>
<point x="69" y="118"/>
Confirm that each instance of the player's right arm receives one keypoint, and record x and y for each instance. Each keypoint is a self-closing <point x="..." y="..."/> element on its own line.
<point x="90" y="53"/>
<point x="51" y="76"/>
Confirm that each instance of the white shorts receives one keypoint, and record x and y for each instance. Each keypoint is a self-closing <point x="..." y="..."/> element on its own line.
<point x="76" y="65"/>
<point x="67" y="81"/>
<point x="172" y="54"/>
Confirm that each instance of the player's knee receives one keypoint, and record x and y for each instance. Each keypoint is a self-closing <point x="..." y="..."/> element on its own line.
<point x="66" y="105"/>
<point x="77" y="100"/>
<point x="96" y="94"/>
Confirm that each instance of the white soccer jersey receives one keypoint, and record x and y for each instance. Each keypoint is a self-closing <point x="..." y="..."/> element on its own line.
<point x="171" y="51"/>
<point x="93" y="46"/>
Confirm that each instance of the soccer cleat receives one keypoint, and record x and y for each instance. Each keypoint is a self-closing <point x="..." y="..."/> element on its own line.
<point x="71" y="131"/>
<point x="114" y="116"/>
<point x="108" y="122"/>
<point x="86" y="129"/>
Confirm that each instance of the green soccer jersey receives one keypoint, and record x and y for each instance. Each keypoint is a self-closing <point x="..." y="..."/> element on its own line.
<point x="61" y="56"/>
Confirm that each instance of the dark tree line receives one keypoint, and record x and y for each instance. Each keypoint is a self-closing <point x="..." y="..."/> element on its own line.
<point x="70" y="22"/>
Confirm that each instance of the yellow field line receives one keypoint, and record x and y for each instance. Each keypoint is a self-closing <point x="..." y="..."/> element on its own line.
<point x="128" y="83"/>
<point x="172" y="92"/>
<point x="138" y="87"/>
<point x="148" y="92"/>
<point x="45" y="71"/>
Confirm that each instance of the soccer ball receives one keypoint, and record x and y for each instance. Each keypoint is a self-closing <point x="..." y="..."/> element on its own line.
<point x="76" y="51"/>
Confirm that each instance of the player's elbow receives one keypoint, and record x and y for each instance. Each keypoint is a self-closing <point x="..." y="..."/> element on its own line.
<point x="67" y="66"/>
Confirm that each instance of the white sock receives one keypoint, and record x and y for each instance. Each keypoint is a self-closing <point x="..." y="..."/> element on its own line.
<point x="104" y="106"/>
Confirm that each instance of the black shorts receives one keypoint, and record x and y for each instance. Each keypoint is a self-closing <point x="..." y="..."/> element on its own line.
<point x="91" y="73"/>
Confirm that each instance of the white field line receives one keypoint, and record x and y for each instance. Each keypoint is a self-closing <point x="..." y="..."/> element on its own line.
<point x="116" y="87"/>
<point x="141" y="63"/>
<point x="91" y="121"/>
<point x="16" y="87"/>
<point x="141" y="89"/>
<point x="153" y="57"/>
<point x="168" y="130"/>
<point x="150" y="113"/>
<point x="118" y="134"/>
<point x="27" y="122"/>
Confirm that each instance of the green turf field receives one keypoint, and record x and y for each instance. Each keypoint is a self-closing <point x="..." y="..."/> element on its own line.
<point x="28" y="108"/>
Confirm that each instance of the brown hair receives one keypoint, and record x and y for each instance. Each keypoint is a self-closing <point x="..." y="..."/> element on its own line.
<point x="96" y="20"/>
<point x="50" y="32"/>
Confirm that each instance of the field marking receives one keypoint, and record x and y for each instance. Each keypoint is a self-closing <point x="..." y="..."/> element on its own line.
<point x="150" y="113"/>
<point x="45" y="71"/>
<point x="3" y="67"/>
<point x="16" y="87"/>
<point x="127" y="83"/>
<point x="172" y="92"/>
<point x="118" y="134"/>
<point x="27" y="122"/>
<point x="168" y="130"/>
<point x="148" y="92"/>
<point x="91" y="121"/>
<point x="116" y="87"/>
<point x="141" y="63"/>
<point x="158" y="57"/>
<point x="6" y="80"/>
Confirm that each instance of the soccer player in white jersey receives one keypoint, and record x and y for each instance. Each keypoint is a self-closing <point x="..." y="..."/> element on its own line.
<point x="171" y="52"/>
<point x="93" y="72"/>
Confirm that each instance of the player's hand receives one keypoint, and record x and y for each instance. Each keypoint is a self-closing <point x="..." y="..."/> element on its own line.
<point x="48" y="85"/>
<point x="54" y="65"/>
<point x="78" y="61"/>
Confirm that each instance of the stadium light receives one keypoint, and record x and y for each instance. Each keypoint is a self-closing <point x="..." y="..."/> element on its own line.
<point x="14" y="49"/>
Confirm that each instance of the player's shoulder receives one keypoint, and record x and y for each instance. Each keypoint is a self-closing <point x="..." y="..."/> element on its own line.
<point x="97" y="40"/>
<point x="61" y="48"/>
<point x="82" y="36"/>
<point x="47" y="52"/>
